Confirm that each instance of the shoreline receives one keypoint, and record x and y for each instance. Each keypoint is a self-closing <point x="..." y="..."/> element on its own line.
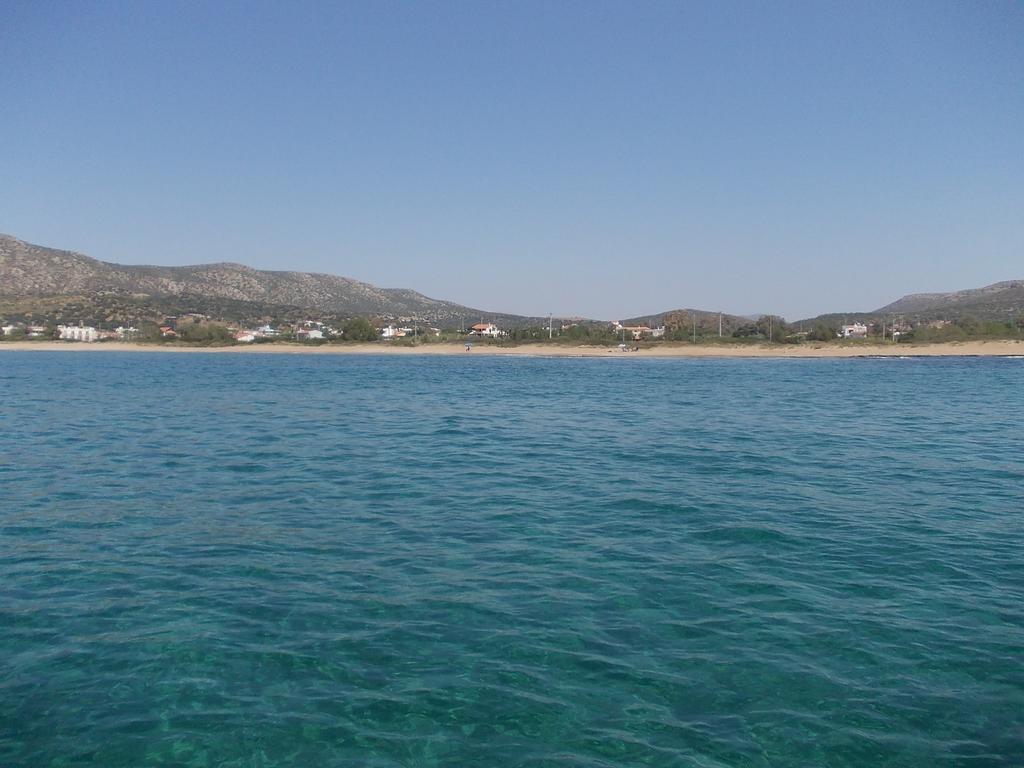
<point x="1000" y="348"/>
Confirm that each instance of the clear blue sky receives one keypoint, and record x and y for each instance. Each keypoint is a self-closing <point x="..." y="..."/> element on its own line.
<point x="592" y="158"/>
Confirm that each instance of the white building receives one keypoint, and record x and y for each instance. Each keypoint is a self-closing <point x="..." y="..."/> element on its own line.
<point x="854" y="331"/>
<point x="637" y="331"/>
<point x="245" y="337"/>
<point x="125" y="334"/>
<point x="390" y="332"/>
<point x="485" y="329"/>
<point x="78" y="333"/>
<point x="309" y="333"/>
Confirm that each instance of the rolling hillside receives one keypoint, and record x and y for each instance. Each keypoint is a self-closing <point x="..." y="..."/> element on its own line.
<point x="999" y="301"/>
<point x="33" y="275"/>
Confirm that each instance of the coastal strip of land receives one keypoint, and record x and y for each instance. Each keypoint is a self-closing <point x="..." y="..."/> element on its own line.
<point x="994" y="348"/>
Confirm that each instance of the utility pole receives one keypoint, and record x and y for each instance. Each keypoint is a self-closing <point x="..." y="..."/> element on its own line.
<point x="719" y="325"/>
<point x="695" y="328"/>
<point x="769" y="329"/>
<point x="549" y="326"/>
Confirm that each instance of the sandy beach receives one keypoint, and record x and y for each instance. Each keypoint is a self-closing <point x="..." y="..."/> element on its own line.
<point x="948" y="349"/>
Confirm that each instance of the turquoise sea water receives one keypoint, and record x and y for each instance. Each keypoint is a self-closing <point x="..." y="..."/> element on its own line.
<point x="233" y="560"/>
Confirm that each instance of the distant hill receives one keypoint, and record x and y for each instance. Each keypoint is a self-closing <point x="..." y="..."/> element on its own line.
<point x="66" y="286"/>
<point x="1000" y="302"/>
<point x="40" y="277"/>
<point x="683" y="318"/>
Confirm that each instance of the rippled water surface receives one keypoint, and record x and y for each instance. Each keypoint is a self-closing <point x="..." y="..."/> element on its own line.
<point x="235" y="560"/>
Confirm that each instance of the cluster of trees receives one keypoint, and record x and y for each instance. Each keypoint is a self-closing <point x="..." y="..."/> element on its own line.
<point x="823" y="332"/>
<point x="691" y="326"/>
<point x="205" y="333"/>
<point x="20" y="332"/>
<point x="582" y="333"/>
<point x="202" y="333"/>
<point x="959" y="329"/>
<point x="15" y="334"/>
<point x="359" y="329"/>
<point x="588" y="333"/>
<point x="768" y="328"/>
<point x="966" y="328"/>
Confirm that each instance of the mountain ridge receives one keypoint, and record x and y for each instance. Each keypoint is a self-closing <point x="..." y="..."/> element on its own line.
<point x="50" y="278"/>
<point x="30" y="271"/>
<point x="1006" y="293"/>
<point x="1001" y="302"/>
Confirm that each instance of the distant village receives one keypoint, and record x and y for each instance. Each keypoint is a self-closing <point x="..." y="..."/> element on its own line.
<point x="309" y="330"/>
<point x="188" y="327"/>
<point x="174" y="328"/>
